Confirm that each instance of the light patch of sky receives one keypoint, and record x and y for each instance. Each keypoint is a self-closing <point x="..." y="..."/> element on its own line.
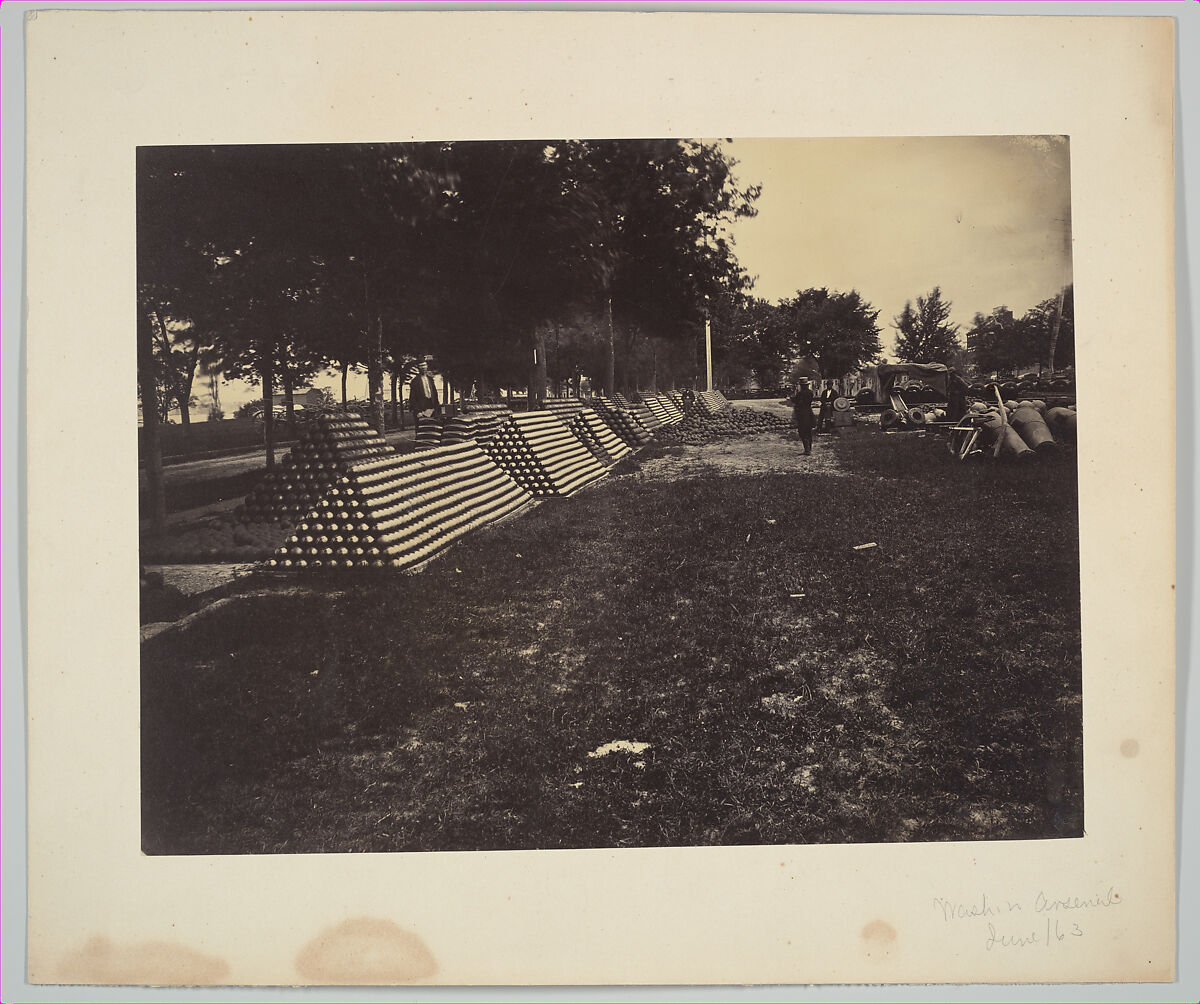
<point x="987" y="218"/>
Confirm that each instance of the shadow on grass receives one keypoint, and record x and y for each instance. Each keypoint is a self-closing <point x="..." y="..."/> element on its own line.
<point x="790" y="688"/>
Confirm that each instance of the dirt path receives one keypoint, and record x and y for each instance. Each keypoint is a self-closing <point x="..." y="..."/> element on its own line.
<point x="224" y="467"/>
<point x="764" y="453"/>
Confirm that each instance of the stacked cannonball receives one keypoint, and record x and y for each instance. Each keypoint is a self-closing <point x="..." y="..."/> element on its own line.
<point x="664" y="409"/>
<point x="698" y="428"/>
<point x="584" y="433"/>
<point x="645" y="414"/>
<point x="603" y="434"/>
<point x="399" y="511"/>
<point x="338" y="532"/>
<point x="712" y="401"/>
<point x="328" y="448"/>
<point x="540" y="453"/>
<point x="515" y="456"/>
<point x="625" y="424"/>
<point x="487" y="420"/>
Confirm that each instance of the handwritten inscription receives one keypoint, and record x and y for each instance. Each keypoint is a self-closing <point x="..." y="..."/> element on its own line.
<point x="1046" y="919"/>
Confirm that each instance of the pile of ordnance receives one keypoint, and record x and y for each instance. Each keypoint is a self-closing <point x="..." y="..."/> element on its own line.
<point x="698" y="427"/>
<point x="1018" y="430"/>
<point x="914" y="415"/>
<point x="345" y="498"/>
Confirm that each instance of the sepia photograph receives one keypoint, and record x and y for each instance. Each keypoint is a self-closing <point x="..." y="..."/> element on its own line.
<point x="604" y="503"/>
<point x="607" y="493"/>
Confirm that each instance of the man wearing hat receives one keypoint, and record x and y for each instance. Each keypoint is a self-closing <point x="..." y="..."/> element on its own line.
<point x="828" y="396"/>
<point x="802" y="414"/>
<point x="423" y="395"/>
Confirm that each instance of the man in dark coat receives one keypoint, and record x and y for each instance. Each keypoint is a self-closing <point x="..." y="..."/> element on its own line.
<point x="956" y="391"/>
<point x="825" y="420"/>
<point x="802" y="414"/>
<point x="423" y="396"/>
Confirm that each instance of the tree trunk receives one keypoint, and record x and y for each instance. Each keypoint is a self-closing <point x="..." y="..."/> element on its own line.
<point x="214" y="391"/>
<point x="654" y="366"/>
<point x="267" y="364"/>
<point x="628" y="375"/>
<point x="374" y="357"/>
<point x="185" y="397"/>
<point x="185" y="415"/>
<point x="1058" y="308"/>
<point x="610" y="364"/>
<point x="345" y="371"/>
<point x="395" y="399"/>
<point x="151" y="440"/>
<point x="289" y="401"/>
<point x="175" y="388"/>
<point x="537" y="374"/>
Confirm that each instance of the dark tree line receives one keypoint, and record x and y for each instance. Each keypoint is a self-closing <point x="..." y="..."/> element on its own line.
<point x="753" y="337"/>
<point x="1042" y="338"/>
<point x="516" y="263"/>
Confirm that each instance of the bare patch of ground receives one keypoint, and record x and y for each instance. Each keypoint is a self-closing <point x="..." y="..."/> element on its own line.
<point x="765" y="453"/>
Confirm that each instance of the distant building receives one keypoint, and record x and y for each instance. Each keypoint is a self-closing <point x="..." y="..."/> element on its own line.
<point x="311" y="397"/>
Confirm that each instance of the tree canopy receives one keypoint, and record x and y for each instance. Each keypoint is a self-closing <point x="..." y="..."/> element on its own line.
<point x="365" y="253"/>
<point x="925" y="334"/>
<point x="1003" y="343"/>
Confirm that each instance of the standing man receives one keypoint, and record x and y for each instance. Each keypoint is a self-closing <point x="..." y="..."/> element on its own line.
<point x="423" y="396"/>
<point x="802" y="414"/>
<point x="956" y="391"/>
<point x="827" y="397"/>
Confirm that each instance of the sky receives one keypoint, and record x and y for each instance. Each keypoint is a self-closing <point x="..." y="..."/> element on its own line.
<point x="987" y="218"/>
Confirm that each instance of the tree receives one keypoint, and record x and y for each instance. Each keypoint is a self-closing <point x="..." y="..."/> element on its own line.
<point x="1055" y="317"/>
<point x="926" y="334"/>
<point x="748" y="341"/>
<point x="838" y="330"/>
<point x="1002" y="343"/>
<point x="649" y="222"/>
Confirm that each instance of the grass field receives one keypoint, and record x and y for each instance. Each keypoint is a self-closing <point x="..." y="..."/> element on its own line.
<point x="790" y="688"/>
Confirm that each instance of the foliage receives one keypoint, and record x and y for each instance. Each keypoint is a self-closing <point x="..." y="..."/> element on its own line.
<point x="926" y="334"/>
<point x="286" y="259"/>
<point x="838" y="330"/>
<point x="1002" y="343"/>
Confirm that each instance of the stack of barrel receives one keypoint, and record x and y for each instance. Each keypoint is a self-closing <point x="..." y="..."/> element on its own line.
<point x="401" y="510"/>
<point x="320" y="458"/>
<point x="542" y="455"/>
